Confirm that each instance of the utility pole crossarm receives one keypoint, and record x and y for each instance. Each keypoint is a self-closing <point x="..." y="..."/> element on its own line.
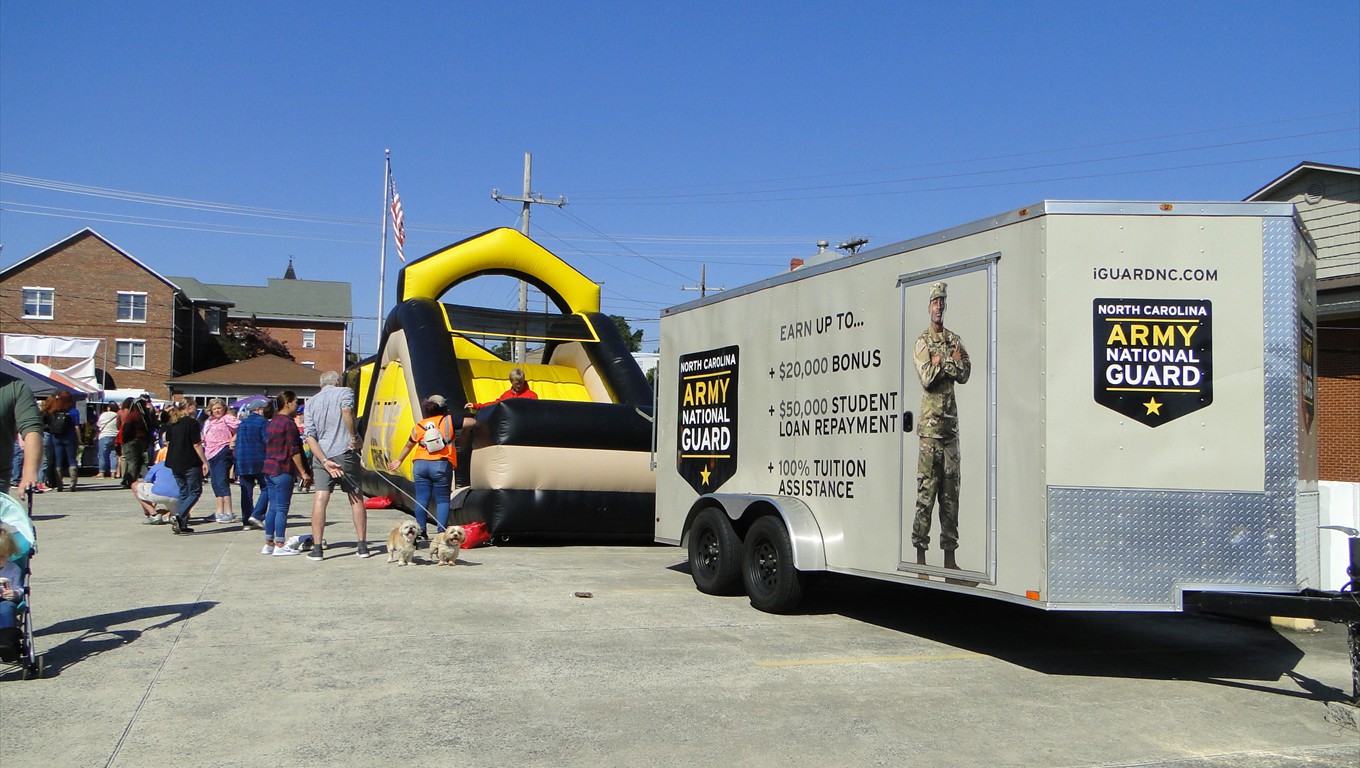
<point x="536" y="199"/>
<point x="702" y="287"/>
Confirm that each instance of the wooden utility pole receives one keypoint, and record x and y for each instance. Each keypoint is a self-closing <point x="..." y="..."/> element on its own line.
<point x="529" y="199"/>
<point x="702" y="287"/>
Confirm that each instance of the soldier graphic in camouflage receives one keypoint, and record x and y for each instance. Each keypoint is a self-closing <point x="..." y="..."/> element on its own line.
<point x="941" y="362"/>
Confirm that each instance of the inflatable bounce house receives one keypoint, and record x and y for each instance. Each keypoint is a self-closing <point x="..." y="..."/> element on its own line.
<point x="574" y="463"/>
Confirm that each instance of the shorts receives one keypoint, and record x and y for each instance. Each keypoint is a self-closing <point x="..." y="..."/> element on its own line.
<point x="348" y="482"/>
<point x="165" y="503"/>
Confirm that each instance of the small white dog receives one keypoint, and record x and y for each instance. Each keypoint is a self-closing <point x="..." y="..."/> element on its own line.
<point x="444" y="547"/>
<point x="401" y="543"/>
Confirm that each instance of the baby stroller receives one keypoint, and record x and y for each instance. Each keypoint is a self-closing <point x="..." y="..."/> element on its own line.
<point x="20" y="521"/>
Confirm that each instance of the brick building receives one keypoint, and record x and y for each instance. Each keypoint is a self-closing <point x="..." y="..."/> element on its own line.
<point x="155" y="328"/>
<point x="1327" y="198"/>
<point x="85" y="286"/>
<point x="310" y="316"/>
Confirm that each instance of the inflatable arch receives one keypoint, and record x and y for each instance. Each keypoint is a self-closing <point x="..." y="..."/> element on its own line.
<point x="574" y="464"/>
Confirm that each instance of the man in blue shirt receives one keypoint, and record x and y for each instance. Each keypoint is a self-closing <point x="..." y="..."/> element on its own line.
<point x="250" y="464"/>
<point x="158" y="493"/>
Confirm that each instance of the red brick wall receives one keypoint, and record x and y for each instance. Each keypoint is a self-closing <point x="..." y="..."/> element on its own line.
<point x="87" y="275"/>
<point x="327" y="355"/>
<point x="1338" y="401"/>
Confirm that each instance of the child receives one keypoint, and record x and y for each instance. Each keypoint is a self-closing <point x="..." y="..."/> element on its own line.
<point x="11" y="592"/>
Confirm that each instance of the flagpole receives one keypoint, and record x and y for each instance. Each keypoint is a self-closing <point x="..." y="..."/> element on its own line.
<point x="382" y="259"/>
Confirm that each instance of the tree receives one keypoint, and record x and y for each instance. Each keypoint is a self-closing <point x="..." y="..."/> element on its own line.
<point x="630" y="337"/>
<point x="245" y="339"/>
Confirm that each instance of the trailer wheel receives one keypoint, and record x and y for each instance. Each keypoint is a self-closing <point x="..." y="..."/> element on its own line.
<point x="714" y="553"/>
<point x="772" y="582"/>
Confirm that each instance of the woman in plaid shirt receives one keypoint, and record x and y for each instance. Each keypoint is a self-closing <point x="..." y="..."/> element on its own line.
<point x="282" y="465"/>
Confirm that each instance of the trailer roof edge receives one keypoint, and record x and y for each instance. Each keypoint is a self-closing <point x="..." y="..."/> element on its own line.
<point x="1023" y="213"/>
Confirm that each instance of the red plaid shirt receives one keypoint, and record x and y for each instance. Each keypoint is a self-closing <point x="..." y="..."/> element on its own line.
<point x="281" y="443"/>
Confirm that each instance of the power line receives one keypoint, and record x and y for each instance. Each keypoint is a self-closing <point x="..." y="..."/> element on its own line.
<point x="146" y="221"/>
<point x="615" y="267"/>
<point x="651" y="191"/>
<point x="579" y="221"/>
<point x="1020" y="182"/>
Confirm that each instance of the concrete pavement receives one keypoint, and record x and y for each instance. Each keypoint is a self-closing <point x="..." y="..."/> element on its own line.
<point x="198" y="651"/>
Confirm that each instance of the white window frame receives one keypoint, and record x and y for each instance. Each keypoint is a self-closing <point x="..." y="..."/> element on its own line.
<point x="213" y="317"/>
<point x="307" y="363"/>
<point x="118" y="355"/>
<point x="51" y="303"/>
<point x="308" y="338"/>
<point x="133" y="295"/>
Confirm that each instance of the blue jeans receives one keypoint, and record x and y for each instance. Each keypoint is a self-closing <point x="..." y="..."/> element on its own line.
<point x="219" y="468"/>
<point x="108" y="460"/>
<point x="65" y="452"/>
<point x="190" y="489"/>
<point x="250" y="506"/>
<point x="280" y="498"/>
<point x="432" y="478"/>
<point x="16" y="469"/>
<point x="7" y="609"/>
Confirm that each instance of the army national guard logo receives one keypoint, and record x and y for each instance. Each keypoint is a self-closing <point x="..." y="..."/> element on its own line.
<point x="707" y="455"/>
<point x="1153" y="357"/>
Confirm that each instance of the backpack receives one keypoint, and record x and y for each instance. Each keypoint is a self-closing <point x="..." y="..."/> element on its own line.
<point x="59" y="423"/>
<point x="433" y="437"/>
<point x="130" y="431"/>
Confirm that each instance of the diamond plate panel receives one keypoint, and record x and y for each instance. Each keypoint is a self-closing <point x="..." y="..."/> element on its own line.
<point x="1116" y="547"/>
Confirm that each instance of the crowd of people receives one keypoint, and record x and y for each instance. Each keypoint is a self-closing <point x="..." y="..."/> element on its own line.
<point x="271" y="450"/>
<point x="163" y="455"/>
<point x="123" y="435"/>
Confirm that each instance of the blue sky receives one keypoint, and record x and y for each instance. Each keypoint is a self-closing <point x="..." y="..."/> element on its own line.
<point x="732" y="135"/>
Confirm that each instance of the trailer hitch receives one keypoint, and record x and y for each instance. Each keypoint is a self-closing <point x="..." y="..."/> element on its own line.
<point x="1341" y="606"/>
<point x="1352" y="590"/>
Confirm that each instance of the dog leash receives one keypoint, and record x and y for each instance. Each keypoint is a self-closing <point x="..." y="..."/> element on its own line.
<point x="428" y="517"/>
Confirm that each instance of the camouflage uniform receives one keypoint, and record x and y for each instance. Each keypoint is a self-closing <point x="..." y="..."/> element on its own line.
<point x="937" y="466"/>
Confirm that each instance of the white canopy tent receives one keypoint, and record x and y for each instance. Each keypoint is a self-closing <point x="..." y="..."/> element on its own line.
<point x="22" y="349"/>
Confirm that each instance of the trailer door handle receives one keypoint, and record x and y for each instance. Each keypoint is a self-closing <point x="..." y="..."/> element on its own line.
<point x="906" y="422"/>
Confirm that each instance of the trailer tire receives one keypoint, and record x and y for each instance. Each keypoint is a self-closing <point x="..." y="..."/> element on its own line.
<point x="714" y="553"/>
<point x="767" y="571"/>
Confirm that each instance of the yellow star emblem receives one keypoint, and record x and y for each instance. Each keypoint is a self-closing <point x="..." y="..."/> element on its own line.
<point x="1153" y="407"/>
<point x="703" y="476"/>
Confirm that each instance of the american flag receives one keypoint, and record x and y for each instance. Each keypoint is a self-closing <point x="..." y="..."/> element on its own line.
<point x="398" y="220"/>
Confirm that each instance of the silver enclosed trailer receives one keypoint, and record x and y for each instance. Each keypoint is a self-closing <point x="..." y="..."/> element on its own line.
<point x="1136" y="422"/>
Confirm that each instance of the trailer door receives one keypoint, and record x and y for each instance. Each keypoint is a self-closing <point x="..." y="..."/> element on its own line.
<point x="948" y="446"/>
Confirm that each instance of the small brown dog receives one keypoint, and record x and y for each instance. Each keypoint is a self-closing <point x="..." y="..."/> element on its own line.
<point x="401" y="543"/>
<point x="445" y="546"/>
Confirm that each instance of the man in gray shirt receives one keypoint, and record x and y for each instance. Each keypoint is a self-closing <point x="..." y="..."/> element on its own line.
<point x="328" y="429"/>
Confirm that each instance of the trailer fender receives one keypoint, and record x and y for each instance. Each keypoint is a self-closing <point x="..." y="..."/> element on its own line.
<point x="809" y="550"/>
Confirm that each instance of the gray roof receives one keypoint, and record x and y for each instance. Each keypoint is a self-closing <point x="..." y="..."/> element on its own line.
<point x="320" y="300"/>
<point x="1265" y="193"/>
<point x="200" y="292"/>
<point x="264" y="371"/>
